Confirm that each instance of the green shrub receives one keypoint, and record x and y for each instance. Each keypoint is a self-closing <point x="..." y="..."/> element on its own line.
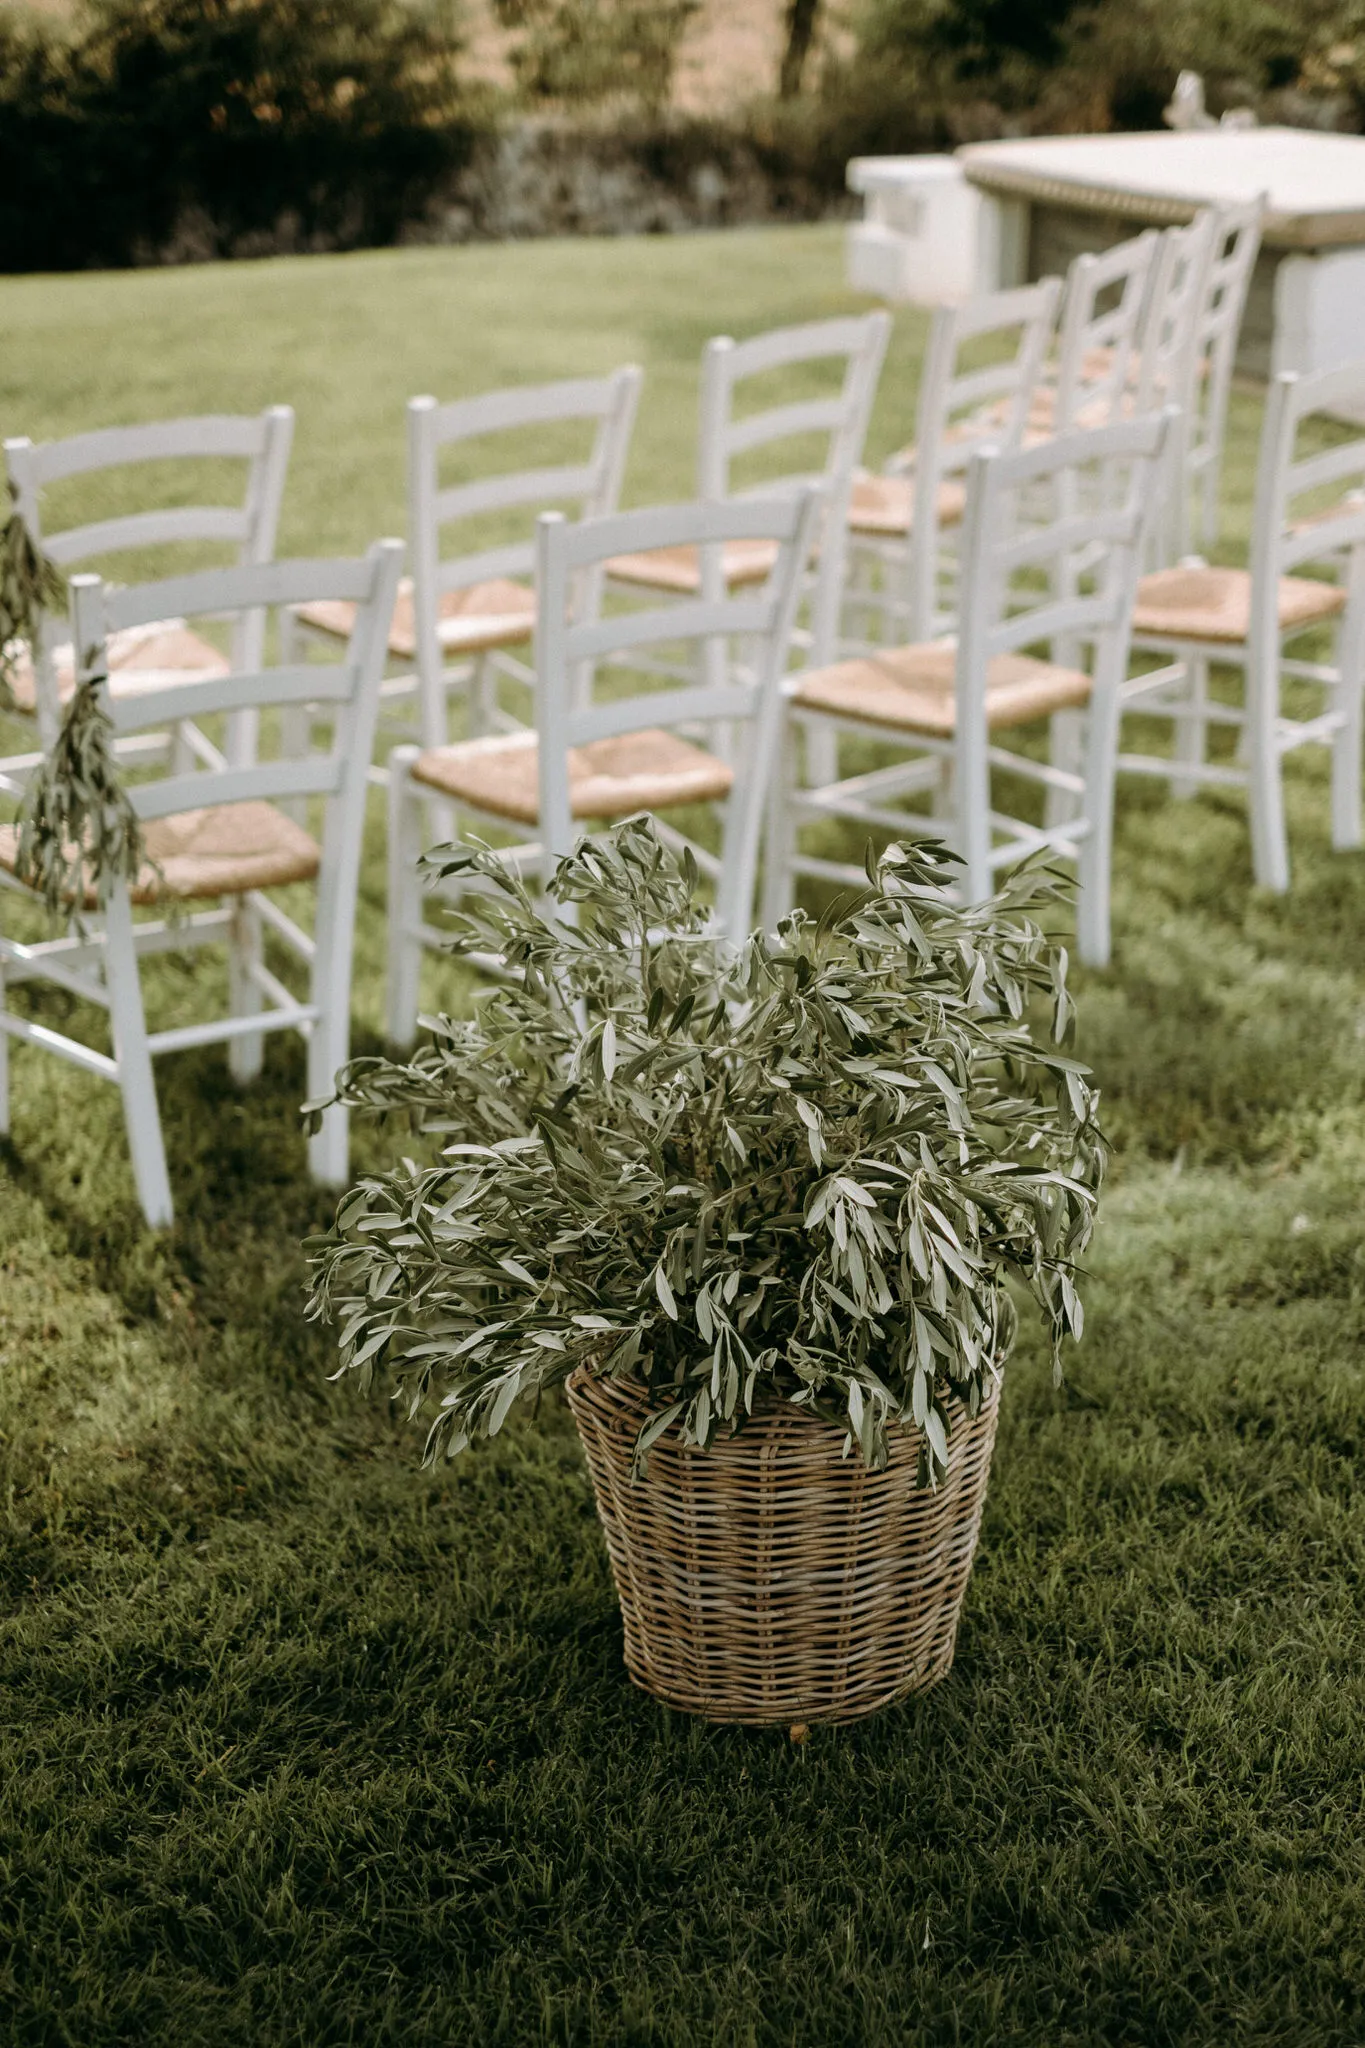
<point x="808" y="1168"/>
<point x="581" y="53"/>
<point x="955" y="70"/>
<point x="341" y="115"/>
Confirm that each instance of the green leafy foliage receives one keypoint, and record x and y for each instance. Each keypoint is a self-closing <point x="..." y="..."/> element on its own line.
<point x="222" y="119"/>
<point x="582" y="52"/>
<point x="30" y="584"/>
<point x="79" y="831"/>
<point x="807" y="1167"/>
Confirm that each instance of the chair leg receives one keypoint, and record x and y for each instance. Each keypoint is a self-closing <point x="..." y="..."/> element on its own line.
<point x="1346" y="770"/>
<point x="329" y="1149"/>
<point x="971" y="822"/>
<point x="1096" y="852"/>
<point x="4" y="1063"/>
<point x="779" y="861"/>
<point x="136" y="1082"/>
<point x="404" y="901"/>
<point x="1265" y="784"/>
<point x="1066" y="750"/>
<point x="1191" y="730"/>
<point x="244" y="951"/>
<point x="822" y="753"/>
<point x="329" y="1048"/>
<point x="483" y="697"/>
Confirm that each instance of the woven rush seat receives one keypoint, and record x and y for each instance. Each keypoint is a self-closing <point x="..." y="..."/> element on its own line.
<point x="1215" y="604"/>
<point x="613" y="778"/>
<point x="142" y="658"/>
<point x="911" y="688"/>
<point x="498" y="613"/>
<point x="222" y="851"/>
<point x="679" y="569"/>
<point x="884" y="506"/>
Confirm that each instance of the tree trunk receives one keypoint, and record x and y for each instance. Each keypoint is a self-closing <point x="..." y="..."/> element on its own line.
<point x="800" y="31"/>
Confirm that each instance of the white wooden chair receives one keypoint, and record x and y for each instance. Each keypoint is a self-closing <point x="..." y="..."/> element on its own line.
<point x="1196" y="615"/>
<point x="1105" y="298"/>
<point x="1165" y="371"/>
<point x="900" y="522"/>
<point x="246" y="526"/>
<point x="459" y="616"/>
<point x="727" y="435"/>
<point x="949" y="701"/>
<point x="596" y="753"/>
<point x="216" y="833"/>
<point x="1237" y="239"/>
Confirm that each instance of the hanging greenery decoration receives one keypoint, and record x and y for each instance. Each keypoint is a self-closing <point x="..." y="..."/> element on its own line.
<point x="30" y="584"/>
<point x="79" y="831"/>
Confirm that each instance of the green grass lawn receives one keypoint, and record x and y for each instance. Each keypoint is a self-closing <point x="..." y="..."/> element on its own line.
<point x="304" y="1746"/>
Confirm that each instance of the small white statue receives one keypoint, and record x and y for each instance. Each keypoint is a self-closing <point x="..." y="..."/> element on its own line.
<point x="1187" y="110"/>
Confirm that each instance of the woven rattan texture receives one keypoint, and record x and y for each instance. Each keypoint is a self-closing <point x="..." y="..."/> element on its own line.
<point x="770" y="1579"/>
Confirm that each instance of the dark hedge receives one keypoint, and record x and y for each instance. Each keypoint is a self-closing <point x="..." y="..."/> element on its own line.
<point x="338" y="118"/>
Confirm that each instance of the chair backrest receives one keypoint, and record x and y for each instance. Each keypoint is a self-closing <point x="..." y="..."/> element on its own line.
<point x="348" y="688"/>
<point x="1310" y="506"/>
<point x="248" y="525"/>
<point x="571" y="648"/>
<point x="1102" y="307"/>
<point x="1070" y="579"/>
<point x="1237" y="242"/>
<point x="1167" y="367"/>
<point x="961" y="409"/>
<point x="841" y="418"/>
<point x="591" y="486"/>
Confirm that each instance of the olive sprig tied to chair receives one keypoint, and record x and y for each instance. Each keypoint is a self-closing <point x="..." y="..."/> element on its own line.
<point x="30" y="584"/>
<point x="758" y="1206"/>
<point x="805" y="1165"/>
<point x="77" y="830"/>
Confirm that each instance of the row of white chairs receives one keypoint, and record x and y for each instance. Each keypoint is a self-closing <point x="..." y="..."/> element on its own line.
<point x="944" y="706"/>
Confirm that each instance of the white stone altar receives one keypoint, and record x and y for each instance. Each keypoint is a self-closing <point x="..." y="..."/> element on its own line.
<point x="918" y="238"/>
<point x="1046" y="199"/>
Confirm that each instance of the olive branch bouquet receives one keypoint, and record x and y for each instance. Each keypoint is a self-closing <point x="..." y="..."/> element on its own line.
<point x="77" y="829"/>
<point x="804" y="1168"/>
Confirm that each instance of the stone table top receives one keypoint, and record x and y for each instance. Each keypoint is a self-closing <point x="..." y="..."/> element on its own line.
<point x="1314" y="183"/>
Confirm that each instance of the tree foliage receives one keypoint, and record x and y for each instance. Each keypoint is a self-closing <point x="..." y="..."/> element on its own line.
<point x="805" y="1168"/>
<point x="340" y="114"/>
<point x="583" y="52"/>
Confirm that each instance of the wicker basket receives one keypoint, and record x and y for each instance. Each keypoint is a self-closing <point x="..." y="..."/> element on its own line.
<point x="771" y="1579"/>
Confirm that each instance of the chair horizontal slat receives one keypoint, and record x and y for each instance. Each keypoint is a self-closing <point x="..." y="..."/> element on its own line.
<point x="807" y="343"/>
<point x="784" y="422"/>
<point x="663" y="708"/>
<point x="498" y="411"/>
<point x="297" y="1018"/>
<point x="1118" y="526"/>
<point x="304" y="683"/>
<point x="157" y="441"/>
<point x="1329" y="466"/>
<point x="768" y="517"/>
<point x="312" y="775"/>
<point x="690" y="619"/>
<point x="516" y="562"/>
<point x="206" y="591"/>
<point x="538" y="487"/>
<point x="227" y="523"/>
<point x="66" y="1048"/>
<point x="1082" y="616"/>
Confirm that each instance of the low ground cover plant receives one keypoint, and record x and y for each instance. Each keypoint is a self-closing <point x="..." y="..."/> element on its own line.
<point x="805" y="1168"/>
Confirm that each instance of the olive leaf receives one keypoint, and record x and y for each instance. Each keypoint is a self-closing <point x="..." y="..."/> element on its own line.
<point x="30" y="584"/>
<point x="78" y="830"/>
<point x="808" y="1168"/>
